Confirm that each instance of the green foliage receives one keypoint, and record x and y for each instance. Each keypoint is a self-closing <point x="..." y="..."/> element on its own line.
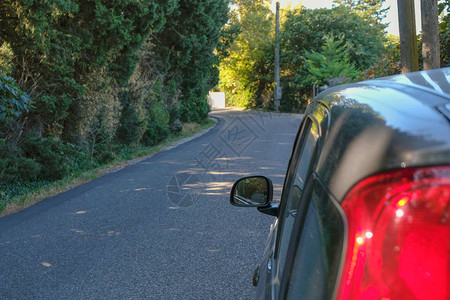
<point x="15" y="167"/>
<point x="13" y="191"/>
<point x="57" y="44"/>
<point x="229" y="34"/>
<point x="53" y="156"/>
<point x="100" y="74"/>
<point x="42" y="52"/>
<point x="246" y="74"/>
<point x="304" y="32"/>
<point x="369" y="10"/>
<point x="388" y="64"/>
<point x="146" y="114"/>
<point x="444" y="32"/>
<point x="6" y="56"/>
<point x="132" y="125"/>
<point x="246" y="70"/>
<point x="331" y="62"/>
<point x="13" y="102"/>
<point x="154" y="134"/>
<point x="186" y="46"/>
<point x="195" y="107"/>
<point x="38" y="159"/>
<point x="141" y="18"/>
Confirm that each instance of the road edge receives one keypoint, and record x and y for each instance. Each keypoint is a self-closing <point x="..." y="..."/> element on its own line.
<point x="18" y="206"/>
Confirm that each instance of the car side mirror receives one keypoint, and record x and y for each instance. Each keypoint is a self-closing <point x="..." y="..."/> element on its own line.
<point x="254" y="191"/>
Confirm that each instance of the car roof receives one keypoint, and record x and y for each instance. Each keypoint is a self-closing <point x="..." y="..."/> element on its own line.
<point x="434" y="81"/>
<point x="401" y="121"/>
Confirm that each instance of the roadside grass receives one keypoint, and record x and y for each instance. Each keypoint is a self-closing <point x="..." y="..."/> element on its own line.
<point x="23" y="195"/>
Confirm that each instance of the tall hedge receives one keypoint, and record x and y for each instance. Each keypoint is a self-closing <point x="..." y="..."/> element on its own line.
<point x="83" y="77"/>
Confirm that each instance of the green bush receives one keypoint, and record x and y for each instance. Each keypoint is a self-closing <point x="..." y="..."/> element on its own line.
<point x="14" y="167"/>
<point x="99" y="149"/>
<point x="131" y="127"/>
<point x="54" y="157"/>
<point x="155" y="134"/>
<point x="47" y="159"/>
<point x="158" y="122"/>
<point x="194" y="111"/>
<point x="175" y="124"/>
<point x="52" y="108"/>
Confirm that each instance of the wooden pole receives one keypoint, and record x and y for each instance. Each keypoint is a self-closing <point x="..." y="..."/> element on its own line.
<point x="430" y="34"/>
<point x="408" y="41"/>
<point x="277" y="94"/>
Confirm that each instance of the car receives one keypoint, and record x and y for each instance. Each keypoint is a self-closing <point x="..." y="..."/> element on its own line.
<point x="365" y="207"/>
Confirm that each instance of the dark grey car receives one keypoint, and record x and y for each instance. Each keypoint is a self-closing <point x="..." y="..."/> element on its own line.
<point x="365" y="208"/>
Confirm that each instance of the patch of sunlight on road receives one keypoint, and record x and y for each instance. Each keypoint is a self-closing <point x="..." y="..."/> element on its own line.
<point x="236" y="158"/>
<point x="217" y="188"/>
<point x="142" y="189"/>
<point x="113" y="233"/>
<point x="228" y="173"/>
<point x="214" y="250"/>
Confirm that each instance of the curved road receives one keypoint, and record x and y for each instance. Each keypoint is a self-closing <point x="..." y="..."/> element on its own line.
<point x="159" y="229"/>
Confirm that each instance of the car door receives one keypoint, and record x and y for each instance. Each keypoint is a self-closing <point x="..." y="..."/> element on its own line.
<point x="315" y="251"/>
<point x="311" y="258"/>
<point x="296" y="184"/>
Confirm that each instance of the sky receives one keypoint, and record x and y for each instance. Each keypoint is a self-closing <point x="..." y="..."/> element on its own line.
<point x="391" y="18"/>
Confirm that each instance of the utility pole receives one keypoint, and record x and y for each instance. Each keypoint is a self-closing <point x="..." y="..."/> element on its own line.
<point x="408" y="41"/>
<point x="430" y="34"/>
<point x="277" y="96"/>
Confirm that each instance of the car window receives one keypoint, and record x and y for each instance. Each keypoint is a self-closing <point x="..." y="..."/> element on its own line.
<point x="319" y="249"/>
<point x="295" y="185"/>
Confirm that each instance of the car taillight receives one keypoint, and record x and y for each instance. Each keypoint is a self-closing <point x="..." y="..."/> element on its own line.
<point x="398" y="246"/>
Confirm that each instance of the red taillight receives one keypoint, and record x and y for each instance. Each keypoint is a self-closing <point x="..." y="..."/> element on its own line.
<point x="398" y="236"/>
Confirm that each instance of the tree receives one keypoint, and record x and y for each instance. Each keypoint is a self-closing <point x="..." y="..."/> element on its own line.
<point x="57" y="44"/>
<point x="331" y="62"/>
<point x="305" y="30"/>
<point x="246" y="73"/>
<point x="99" y="73"/>
<point x="389" y="63"/>
<point x="370" y="10"/>
<point x="186" y="46"/>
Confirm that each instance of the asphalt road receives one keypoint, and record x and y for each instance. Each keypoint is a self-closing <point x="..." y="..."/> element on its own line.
<point x="159" y="229"/>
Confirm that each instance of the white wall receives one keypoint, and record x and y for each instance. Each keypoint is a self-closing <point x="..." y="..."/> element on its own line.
<point x="216" y="100"/>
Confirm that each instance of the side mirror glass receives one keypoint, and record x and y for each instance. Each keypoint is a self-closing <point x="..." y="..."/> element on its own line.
<point x="255" y="191"/>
